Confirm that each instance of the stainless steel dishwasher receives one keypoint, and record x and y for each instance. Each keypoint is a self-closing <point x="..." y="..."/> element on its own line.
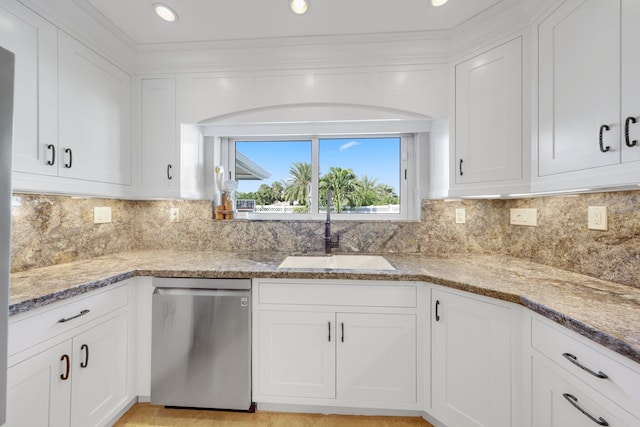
<point x="201" y="343"/>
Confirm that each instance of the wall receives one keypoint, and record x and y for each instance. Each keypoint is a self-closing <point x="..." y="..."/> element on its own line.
<point x="51" y="229"/>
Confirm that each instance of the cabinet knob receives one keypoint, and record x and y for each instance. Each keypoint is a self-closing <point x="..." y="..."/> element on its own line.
<point x="66" y="319"/>
<point x="602" y="147"/>
<point x="65" y="376"/>
<point x="574" y="401"/>
<point x="573" y="359"/>
<point x="70" y="153"/>
<point x="53" y="155"/>
<point x="628" y="120"/>
<point x="85" y="363"/>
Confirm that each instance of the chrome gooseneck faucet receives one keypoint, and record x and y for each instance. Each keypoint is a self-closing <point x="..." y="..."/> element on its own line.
<point x="328" y="241"/>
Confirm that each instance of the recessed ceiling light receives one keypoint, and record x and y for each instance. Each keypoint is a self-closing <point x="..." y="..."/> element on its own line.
<point x="438" y="3"/>
<point x="299" y="7"/>
<point x="165" y="12"/>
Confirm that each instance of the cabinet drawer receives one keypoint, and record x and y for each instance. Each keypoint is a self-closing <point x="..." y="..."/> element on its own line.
<point x="335" y="293"/>
<point x="621" y="384"/>
<point x="31" y="330"/>
<point x="559" y="399"/>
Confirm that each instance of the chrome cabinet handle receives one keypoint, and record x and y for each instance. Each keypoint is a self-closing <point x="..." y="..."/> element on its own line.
<point x="602" y="147"/>
<point x="169" y="171"/>
<point x="85" y="347"/>
<point x="628" y="120"/>
<point x="65" y="376"/>
<point x="437" y="311"/>
<point x="573" y="359"/>
<point x="53" y="154"/>
<point x="574" y="401"/>
<point x="70" y="153"/>
<point x="66" y="319"/>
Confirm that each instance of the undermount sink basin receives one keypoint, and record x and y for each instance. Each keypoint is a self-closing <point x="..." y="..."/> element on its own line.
<point x="345" y="262"/>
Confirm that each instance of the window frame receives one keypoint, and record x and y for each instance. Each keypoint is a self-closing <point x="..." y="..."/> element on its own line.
<point x="408" y="170"/>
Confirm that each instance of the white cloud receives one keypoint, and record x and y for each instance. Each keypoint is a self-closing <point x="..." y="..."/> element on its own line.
<point x="348" y="145"/>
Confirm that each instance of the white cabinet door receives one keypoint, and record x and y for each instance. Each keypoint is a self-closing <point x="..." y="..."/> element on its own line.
<point x="630" y="80"/>
<point x="488" y="116"/>
<point x="560" y="402"/>
<point x="297" y="354"/>
<point x="376" y="357"/>
<point x="99" y="372"/>
<point x="471" y="365"/>
<point x="94" y="115"/>
<point x="579" y="87"/>
<point x="160" y="168"/>
<point x="33" y="40"/>
<point x="39" y="389"/>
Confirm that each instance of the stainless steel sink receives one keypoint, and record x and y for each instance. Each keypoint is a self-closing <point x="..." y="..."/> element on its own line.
<point x="343" y="262"/>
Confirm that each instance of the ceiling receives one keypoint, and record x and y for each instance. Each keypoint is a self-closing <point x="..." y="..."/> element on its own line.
<point x="222" y="20"/>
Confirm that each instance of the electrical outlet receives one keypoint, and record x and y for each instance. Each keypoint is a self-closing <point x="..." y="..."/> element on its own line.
<point x="174" y="215"/>
<point x="597" y="218"/>
<point x="521" y="216"/>
<point x="461" y="217"/>
<point x="101" y="215"/>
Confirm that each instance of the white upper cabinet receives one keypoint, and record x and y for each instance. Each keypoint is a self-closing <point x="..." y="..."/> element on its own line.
<point x="587" y="70"/>
<point x="72" y="110"/>
<point x="94" y="115"/>
<point x="579" y="75"/>
<point x="630" y="81"/>
<point x="488" y="117"/>
<point x="33" y="40"/>
<point x="159" y="164"/>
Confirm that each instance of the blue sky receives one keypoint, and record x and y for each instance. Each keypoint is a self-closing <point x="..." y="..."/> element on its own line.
<point x="376" y="157"/>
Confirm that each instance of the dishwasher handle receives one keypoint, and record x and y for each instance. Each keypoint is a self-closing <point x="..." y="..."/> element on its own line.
<point x="200" y="292"/>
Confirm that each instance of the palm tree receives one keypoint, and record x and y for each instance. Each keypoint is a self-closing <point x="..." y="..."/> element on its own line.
<point x="387" y="195"/>
<point x="344" y="185"/>
<point x="297" y="188"/>
<point x="366" y="194"/>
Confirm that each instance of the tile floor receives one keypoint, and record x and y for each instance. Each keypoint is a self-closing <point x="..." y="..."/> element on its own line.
<point x="145" y="414"/>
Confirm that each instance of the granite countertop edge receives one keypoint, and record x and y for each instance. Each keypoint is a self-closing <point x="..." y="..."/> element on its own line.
<point x="119" y="267"/>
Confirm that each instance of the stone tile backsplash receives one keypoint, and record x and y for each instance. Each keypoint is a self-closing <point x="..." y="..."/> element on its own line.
<point x="49" y="230"/>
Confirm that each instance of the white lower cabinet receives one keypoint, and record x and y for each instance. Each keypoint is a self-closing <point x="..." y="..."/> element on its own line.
<point x="320" y="352"/>
<point x="560" y="401"/>
<point x="77" y="378"/>
<point x="297" y="352"/>
<point x="346" y="356"/>
<point x="99" y="381"/>
<point x="577" y="382"/>
<point x="37" y="393"/>
<point x="376" y="357"/>
<point x="471" y="351"/>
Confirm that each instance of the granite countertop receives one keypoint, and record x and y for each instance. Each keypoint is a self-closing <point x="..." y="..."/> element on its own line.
<point x="606" y="312"/>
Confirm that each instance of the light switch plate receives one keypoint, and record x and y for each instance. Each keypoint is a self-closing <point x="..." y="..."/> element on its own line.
<point x="101" y="215"/>
<point x="174" y="215"/>
<point x="524" y="216"/>
<point x="597" y="218"/>
<point x="461" y="216"/>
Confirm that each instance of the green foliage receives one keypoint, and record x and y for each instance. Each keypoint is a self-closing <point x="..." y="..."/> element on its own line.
<point x="298" y="184"/>
<point x="348" y="189"/>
